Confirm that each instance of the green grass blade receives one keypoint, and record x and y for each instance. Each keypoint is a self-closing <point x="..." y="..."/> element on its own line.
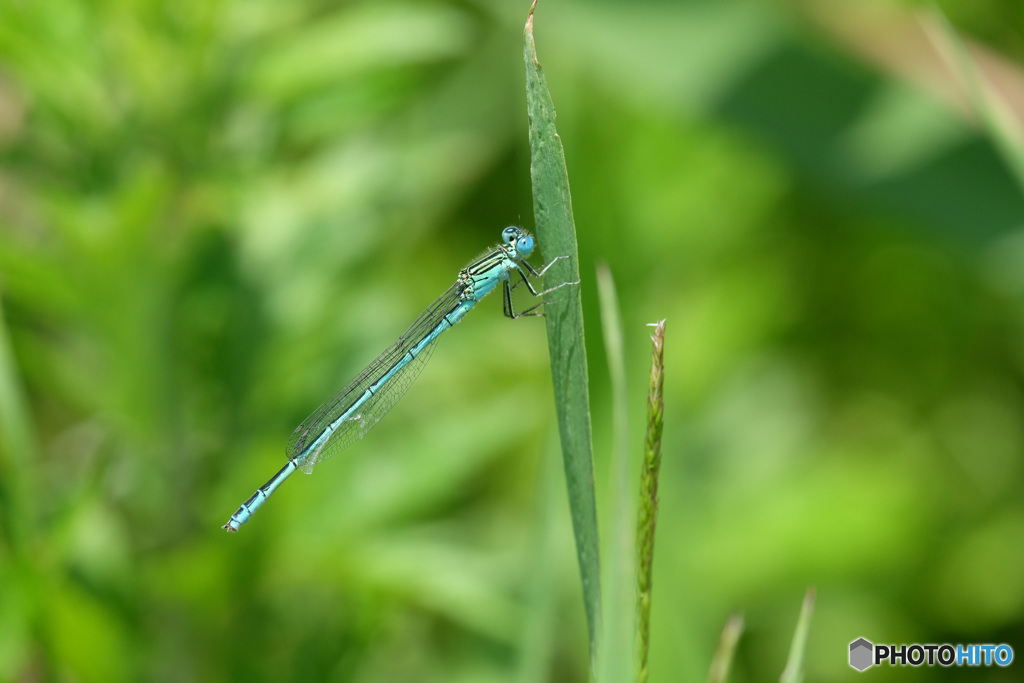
<point x="990" y="108"/>
<point x="794" y="671"/>
<point x="614" y="656"/>
<point x="556" y="234"/>
<point x="726" y="650"/>
<point x="648" y="515"/>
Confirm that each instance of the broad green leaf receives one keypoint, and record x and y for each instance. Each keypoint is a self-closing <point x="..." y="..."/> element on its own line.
<point x="556" y="232"/>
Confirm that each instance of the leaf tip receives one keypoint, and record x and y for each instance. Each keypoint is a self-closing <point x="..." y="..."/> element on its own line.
<point x="528" y="30"/>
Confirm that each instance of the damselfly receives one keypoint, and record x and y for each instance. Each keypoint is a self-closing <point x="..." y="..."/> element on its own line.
<point x="373" y="392"/>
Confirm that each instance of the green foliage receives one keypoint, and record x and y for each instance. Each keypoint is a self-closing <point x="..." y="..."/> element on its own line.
<point x="213" y="213"/>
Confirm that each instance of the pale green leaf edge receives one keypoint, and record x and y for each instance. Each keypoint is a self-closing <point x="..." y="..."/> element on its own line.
<point x="614" y="659"/>
<point x="794" y="671"/>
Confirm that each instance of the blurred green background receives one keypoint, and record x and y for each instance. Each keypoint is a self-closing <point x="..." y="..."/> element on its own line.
<point x="212" y="214"/>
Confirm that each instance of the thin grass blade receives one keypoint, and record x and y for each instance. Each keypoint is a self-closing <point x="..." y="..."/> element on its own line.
<point x="726" y="650"/>
<point x="994" y="113"/>
<point x="794" y="671"/>
<point x="614" y="657"/>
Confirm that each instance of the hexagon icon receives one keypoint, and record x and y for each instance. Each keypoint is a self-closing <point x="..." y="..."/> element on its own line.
<point x="861" y="651"/>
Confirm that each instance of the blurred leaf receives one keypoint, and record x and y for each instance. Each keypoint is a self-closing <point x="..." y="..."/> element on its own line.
<point x="794" y="671"/>
<point x="980" y="592"/>
<point x="994" y="112"/>
<point x="87" y="638"/>
<point x="442" y="576"/>
<point x="615" y="658"/>
<point x="17" y="452"/>
<point x="725" y="653"/>
<point x="16" y="621"/>
<point x="366" y="36"/>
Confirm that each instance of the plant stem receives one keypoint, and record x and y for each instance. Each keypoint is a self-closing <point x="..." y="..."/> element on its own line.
<point x="648" y="514"/>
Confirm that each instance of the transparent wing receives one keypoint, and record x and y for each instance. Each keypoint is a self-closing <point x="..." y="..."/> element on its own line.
<point x="371" y="412"/>
<point x="383" y="400"/>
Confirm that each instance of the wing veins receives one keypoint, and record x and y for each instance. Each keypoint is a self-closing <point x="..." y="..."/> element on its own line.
<point x="322" y="417"/>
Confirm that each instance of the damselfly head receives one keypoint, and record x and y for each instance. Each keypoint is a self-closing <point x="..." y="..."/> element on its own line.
<point x="519" y="240"/>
